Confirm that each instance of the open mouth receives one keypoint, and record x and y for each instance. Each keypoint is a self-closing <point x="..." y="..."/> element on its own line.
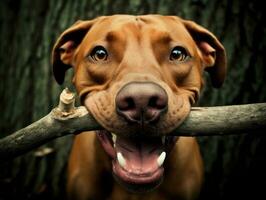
<point x="137" y="160"/>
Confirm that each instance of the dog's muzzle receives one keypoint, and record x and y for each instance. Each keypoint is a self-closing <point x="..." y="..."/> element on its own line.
<point x="138" y="161"/>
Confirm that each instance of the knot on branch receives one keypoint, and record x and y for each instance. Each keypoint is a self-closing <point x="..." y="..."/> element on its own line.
<point x="66" y="108"/>
<point x="66" y="102"/>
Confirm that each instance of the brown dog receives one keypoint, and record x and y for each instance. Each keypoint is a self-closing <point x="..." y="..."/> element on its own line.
<point x="138" y="76"/>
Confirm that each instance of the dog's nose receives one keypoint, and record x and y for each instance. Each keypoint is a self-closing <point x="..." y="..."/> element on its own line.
<point x="141" y="102"/>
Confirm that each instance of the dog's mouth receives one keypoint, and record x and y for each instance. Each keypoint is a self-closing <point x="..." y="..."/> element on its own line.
<point x="137" y="161"/>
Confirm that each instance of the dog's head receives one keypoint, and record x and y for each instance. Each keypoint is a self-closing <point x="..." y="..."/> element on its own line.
<point x="138" y="76"/>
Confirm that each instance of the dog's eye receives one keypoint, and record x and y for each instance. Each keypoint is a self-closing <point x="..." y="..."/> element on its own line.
<point x="178" y="54"/>
<point x="99" y="53"/>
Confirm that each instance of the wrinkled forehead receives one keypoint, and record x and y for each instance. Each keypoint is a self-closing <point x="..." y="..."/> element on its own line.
<point x="155" y="27"/>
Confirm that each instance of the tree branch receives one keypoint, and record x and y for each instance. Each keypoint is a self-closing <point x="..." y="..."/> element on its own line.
<point x="66" y="119"/>
<point x="224" y="120"/>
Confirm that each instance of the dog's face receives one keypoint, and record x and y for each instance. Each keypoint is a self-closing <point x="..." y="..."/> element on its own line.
<point x="138" y="76"/>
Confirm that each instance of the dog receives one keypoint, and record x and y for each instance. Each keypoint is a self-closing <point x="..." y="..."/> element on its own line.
<point x="138" y="76"/>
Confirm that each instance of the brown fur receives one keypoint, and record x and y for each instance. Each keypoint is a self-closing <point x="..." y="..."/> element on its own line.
<point x="139" y="49"/>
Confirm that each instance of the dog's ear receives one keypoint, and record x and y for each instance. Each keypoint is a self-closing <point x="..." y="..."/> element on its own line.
<point x="65" y="46"/>
<point x="212" y="52"/>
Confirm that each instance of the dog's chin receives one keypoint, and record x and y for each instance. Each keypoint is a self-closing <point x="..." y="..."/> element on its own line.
<point x="137" y="187"/>
<point x="137" y="163"/>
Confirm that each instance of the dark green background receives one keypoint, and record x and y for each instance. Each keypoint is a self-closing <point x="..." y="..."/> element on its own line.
<point x="235" y="166"/>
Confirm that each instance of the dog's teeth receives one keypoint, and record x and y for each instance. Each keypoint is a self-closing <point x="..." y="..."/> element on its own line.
<point x="121" y="159"/>
<point x="163" y="140"/>
<point x="114" y="137"/>
<point x="161" y="159"/>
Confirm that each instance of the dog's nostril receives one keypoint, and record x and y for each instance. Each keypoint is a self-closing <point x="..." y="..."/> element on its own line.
<point x="130" y="103"/>
<point x="157" y="102"/>
<point x="124" y="104"/>
<point x="153" y="102"/>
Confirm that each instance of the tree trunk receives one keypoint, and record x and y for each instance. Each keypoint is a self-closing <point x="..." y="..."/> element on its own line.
<point x="234" y="165"/>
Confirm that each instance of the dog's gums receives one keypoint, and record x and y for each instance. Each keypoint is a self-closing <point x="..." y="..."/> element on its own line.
<point x="137" y="160"/>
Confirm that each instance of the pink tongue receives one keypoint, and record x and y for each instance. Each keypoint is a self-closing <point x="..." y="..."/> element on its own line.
<point x="140" y="155"/>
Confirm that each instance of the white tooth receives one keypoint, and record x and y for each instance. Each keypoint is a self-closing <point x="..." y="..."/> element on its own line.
<point x="163" y="140"/>
<point x="121" y="159"/>
<point x="161" y="159"/>
<point x="114" y="137"/>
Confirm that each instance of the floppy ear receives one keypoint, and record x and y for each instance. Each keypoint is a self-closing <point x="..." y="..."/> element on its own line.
<point x="212" y="52"/>
<point x="65" y="46"/>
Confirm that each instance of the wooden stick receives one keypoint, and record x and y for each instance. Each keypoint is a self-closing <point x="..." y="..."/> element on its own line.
<point x="61" y="121"/>
<point x="66" y="119"/>
<point x="224" y="120"/>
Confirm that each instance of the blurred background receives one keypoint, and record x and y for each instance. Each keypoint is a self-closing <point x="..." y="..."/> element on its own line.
<point x="235" y="166"/>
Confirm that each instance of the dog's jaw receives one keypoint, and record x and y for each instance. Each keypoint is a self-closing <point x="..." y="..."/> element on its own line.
<point x="137" y="163"/>
<point x="138" y="151"/>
